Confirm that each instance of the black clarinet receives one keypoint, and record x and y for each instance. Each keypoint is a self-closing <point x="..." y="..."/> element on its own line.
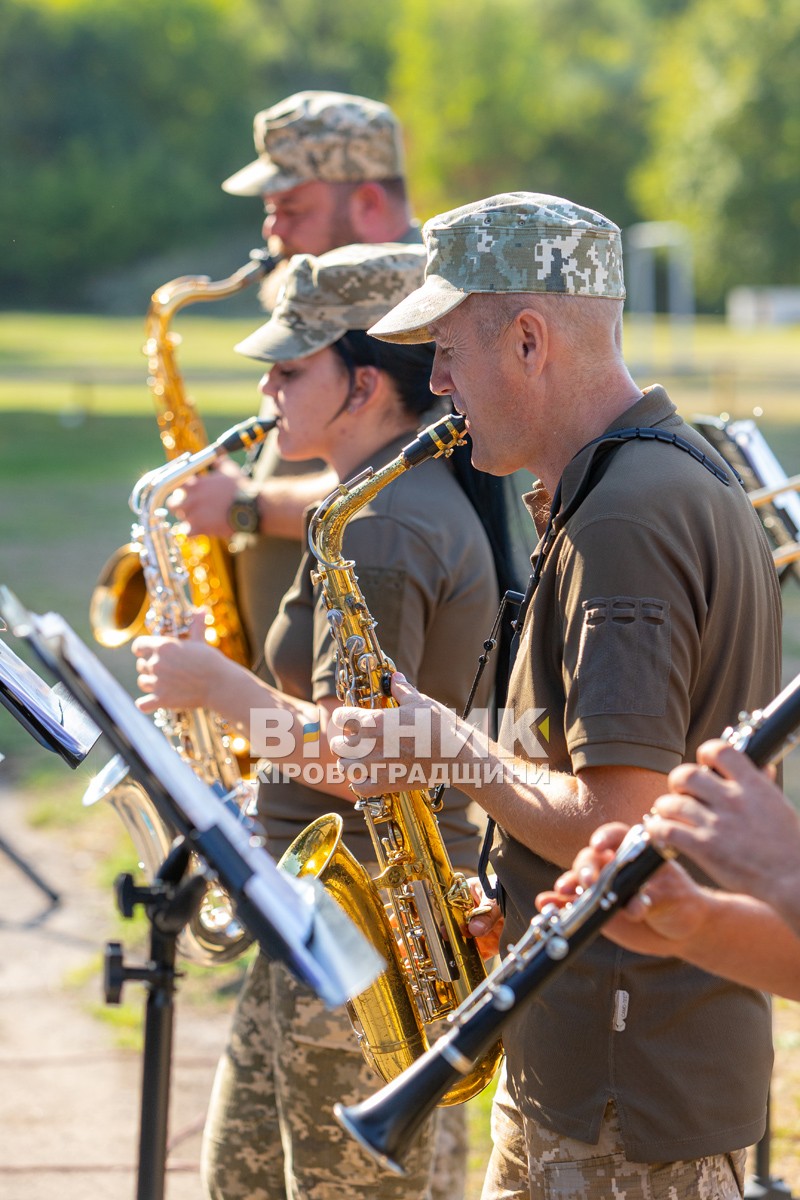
<point x="386" y="1123"/>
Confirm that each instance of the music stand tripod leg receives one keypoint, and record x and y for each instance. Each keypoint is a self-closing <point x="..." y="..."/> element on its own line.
<point x="169" y="905"/>
<point x="30" y="871"/>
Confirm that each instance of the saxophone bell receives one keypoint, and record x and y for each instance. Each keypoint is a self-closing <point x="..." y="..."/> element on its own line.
<point x="119" y="604"/>
<point x="119" y="601"/>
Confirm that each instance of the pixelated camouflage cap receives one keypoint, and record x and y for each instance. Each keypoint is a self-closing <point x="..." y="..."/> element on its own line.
<point x="329" y="136"/>
<point x="324" y="296"/>
<point x="517" y="242"/>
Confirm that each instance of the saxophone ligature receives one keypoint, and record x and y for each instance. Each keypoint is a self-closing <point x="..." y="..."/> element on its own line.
<point x="120" y="600"/>
<point x="386" y="1123"/>
<point x="397" y="1017"/>
<point x="213" y="935"/>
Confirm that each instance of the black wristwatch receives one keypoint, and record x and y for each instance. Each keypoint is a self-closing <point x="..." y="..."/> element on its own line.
<point x="244" y="515"/>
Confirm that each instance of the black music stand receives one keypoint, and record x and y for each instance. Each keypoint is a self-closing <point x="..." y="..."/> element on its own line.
<point x="293" y="920"/>
<point x="169" y="904"/>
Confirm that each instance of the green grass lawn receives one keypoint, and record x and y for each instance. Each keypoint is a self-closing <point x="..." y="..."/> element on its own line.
<point x="78" y="428"/>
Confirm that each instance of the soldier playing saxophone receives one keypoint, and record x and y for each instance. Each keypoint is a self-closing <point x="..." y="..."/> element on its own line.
<point x="653" y="618"/>
<point x="427" y="566"/>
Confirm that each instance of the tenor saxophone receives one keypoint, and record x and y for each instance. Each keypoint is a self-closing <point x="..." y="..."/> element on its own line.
<point x="398" y="1016"/>
<point x="213" y="935"/>
<point x="120" y="600"/>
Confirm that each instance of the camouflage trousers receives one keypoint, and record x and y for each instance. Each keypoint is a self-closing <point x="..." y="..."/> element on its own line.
<point x="530" y="1162"/>
<point x="270" y="1132"/>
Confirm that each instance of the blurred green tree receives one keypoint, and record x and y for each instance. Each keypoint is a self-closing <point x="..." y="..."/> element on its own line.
<point x="503" y="95"/>
<point x="725" y="141"/>
<point x="115" y="133"/>
<point x="341" y="46"/>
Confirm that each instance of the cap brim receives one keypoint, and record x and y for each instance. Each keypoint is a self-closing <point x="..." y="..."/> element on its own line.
<point x="275" y="342"/>
<point x="410" y="320"/>
<point x="259" y="177"/>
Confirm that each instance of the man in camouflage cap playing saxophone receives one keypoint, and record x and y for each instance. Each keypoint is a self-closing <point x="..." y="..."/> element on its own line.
<point x="651" y="566"/>
<point x="330" y="170"/>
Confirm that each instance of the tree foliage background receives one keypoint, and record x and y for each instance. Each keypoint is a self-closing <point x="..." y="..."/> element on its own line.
<point x="118" y="122"/>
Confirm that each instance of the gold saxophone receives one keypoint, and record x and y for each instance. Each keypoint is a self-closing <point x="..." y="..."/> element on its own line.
<point x="120" y="599"/>
<point x="398" y="1016"/>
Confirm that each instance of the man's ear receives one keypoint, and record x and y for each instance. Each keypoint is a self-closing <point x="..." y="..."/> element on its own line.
<point x="364" y="389"/>
<point x="367" y="202"/>
<point x="531" y="340"/>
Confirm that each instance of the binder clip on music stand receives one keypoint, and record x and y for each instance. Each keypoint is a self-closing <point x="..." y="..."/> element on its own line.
<point x="294" y="920"/>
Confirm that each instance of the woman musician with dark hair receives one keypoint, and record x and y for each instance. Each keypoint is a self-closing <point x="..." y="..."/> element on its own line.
<point x="430" y="576"/>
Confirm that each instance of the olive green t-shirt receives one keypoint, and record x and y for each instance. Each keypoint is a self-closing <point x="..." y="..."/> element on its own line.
<point x="656" y="621"/>
<point x="425" y="568"/>
<point x="265" y="566"/>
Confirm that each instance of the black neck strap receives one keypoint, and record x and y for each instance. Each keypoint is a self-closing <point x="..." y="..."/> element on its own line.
<point x="555" y="522"/>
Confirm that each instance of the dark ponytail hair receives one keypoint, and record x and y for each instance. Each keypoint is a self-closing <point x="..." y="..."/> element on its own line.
<point x="409" y="366"/>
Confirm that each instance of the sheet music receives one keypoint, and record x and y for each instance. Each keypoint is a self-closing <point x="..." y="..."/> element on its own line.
<point x="326" y="949"/>
<point x="50" y="713"/>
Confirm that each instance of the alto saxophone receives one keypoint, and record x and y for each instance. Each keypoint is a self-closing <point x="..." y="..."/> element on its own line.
<point x="120" y="600"/>
<point x="398" y="1016"/>
<point x="213" y="935"/>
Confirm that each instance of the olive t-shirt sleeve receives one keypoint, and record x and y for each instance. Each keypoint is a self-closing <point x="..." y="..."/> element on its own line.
<point x="400" y="599"/>
<point x="632" y="610"/>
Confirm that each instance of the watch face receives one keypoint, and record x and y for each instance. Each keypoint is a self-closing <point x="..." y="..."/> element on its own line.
<point x="243" y="515"/>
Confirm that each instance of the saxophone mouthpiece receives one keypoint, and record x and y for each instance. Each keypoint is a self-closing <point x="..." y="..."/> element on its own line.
<point x="440" y="438"/>
<point x="246" y="434"/>
<point x="264" y="260"/>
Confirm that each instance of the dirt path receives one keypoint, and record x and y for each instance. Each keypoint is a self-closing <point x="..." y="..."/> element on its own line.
<point x="69" y="1098"/>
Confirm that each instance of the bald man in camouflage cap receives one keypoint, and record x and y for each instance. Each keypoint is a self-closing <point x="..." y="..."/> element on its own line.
<point x="330" y="169"/>
<point x="652" y="619"/>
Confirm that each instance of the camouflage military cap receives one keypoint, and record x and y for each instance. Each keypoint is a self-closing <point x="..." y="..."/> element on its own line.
<point x="517" y="242"/>
<point x="324" y="296"/>
<point x="329" y="136"/>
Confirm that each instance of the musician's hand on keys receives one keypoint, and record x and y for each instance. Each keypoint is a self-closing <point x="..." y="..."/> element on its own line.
<point x="486" y="921"/>
<point x="376" y="751"/>
<point x="173" y="672"/>
<point x="202" y="502"/>
<point x="667" y="909"/>
<point x="730" y="818"/>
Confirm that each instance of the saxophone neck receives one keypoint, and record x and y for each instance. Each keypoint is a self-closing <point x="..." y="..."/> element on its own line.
<point x="326" y="531"/>
<point x="180" y="424"/>
<point x="152" y="489"/>
<point x="329" y="522"/>
<point x="168" y="299"/>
